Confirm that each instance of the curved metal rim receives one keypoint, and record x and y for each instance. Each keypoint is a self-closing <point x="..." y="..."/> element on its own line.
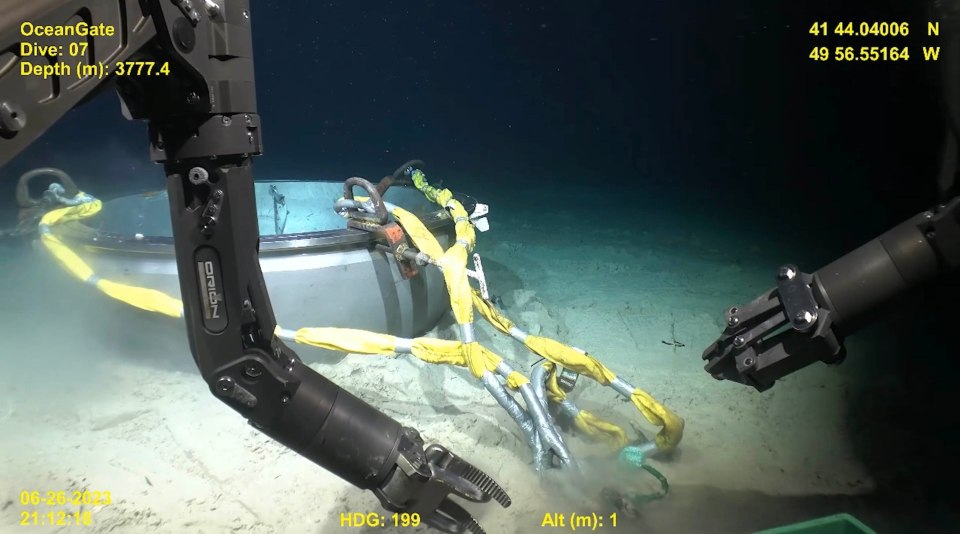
<point x="326" y="240"/>
<point x="22" y="192"/>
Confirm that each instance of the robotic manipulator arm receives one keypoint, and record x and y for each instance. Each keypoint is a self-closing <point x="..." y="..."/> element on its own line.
<point x="805" y="318"/>
<point x="204" y="128"/>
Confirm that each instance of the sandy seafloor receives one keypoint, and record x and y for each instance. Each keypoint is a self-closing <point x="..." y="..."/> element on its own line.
<point x="97" y="396"/>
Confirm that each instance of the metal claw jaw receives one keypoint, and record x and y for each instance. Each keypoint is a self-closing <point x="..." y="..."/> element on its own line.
<point x="779" y="332"/>
<point x="424" y="480"/>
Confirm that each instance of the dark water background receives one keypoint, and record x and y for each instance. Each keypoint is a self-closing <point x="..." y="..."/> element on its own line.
<point x="712" y="107"/>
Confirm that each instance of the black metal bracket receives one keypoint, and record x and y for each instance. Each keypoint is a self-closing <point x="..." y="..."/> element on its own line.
<point x="799" y="305"/>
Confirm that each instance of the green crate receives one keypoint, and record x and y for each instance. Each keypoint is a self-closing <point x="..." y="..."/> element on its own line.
<point x="833" y="524"/>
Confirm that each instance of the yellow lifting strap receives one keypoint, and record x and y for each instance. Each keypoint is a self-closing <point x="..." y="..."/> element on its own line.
<point x="491" y="314"/>
<point x="570" y="358"/>
<point x="552" y="350"/>
<point x="453" y="265"/>
<point x="139" y="297"/>
<point x="585" y="421"/>
<point x="477" y="358"/>
<point x="658" y="414"/>
<point x="671" y="431"/>
<point x="444" y="197"/>
<point x="605" y="431"/>
<point x="72" y="213"/>
<point x="347" y="340"/>
<point x="421" y="236"/>
<point x="430" y="350"/>
<point x="566" y="356"/>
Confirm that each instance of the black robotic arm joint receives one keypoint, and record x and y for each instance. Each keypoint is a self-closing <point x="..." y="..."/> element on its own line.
<point x="204" y="127"/>
<point x="206" y="107"/>
<point x="29" y="104"/>
<point x="941" y="227"/>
